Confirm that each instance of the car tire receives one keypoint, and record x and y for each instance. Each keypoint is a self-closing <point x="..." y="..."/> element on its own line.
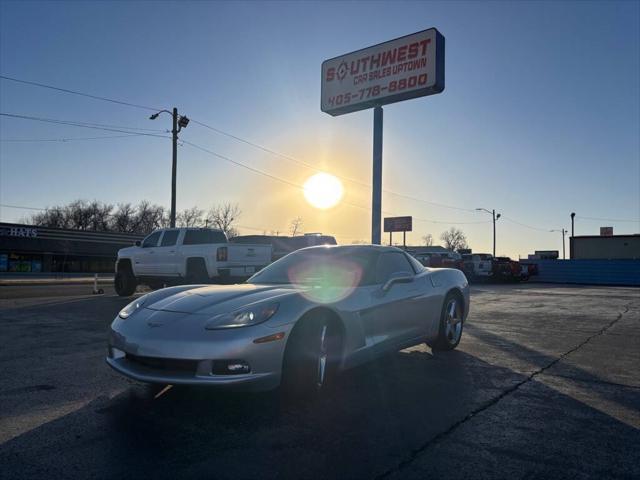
<point x="451" y="324"/>
<point x="197" y="272"/>
<point x="311" y="359"/>
<point x="125" y="283"/>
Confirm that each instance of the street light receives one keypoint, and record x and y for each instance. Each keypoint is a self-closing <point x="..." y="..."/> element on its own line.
<point x="179" y="122"/>
<point x="495" y="217"/>
<point x="564" y="232"/>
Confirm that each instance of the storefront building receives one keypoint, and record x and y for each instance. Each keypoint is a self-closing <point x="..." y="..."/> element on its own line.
<point x="33" y="249"/>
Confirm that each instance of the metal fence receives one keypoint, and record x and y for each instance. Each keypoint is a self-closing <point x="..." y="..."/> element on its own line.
<point x="588" y="272"/>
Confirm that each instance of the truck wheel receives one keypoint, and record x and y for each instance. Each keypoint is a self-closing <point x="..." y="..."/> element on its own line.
<point x="124" y="283"/>
<point x="197" y="272"/>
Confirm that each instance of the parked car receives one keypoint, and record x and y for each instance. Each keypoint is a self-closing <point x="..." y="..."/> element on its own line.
<point x="440" y="260"/>
<point x="505" y="269"/>
<point x="284" y="245"/>
<point x="478" y="266"/>
<point x="186" y="255"/>
<point x="298" y="322"/>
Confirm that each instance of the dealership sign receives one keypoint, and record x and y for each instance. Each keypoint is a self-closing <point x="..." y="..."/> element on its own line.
<point x="398" y="224"/>
<point x="400" y="69"/>
<point x="606" y="231"/>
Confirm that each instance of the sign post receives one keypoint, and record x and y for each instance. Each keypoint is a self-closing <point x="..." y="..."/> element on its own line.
<point x="398" y="224"/>
<point x="376" y="194"/>
<point x="407" y="67"/>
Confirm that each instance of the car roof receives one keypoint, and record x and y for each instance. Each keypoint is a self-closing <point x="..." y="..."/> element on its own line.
<point x="353" y="248"/>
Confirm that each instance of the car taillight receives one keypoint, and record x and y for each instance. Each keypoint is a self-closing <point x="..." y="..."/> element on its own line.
<point x="221" y="254"/>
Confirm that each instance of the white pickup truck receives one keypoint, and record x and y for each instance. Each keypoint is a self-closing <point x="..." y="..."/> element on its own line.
<point x="186" y="255"/>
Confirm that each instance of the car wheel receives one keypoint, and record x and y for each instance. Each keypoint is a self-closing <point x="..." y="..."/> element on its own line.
<point x="310" y="359"/>
<point x="124" y="283"/>
<point x="450" y="331"/>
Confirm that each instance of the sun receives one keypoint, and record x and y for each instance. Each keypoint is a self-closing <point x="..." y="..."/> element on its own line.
<point x="323" y="190"/>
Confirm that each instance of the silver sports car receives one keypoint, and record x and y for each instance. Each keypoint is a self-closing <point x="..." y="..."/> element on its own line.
<point x="298" y="322"/>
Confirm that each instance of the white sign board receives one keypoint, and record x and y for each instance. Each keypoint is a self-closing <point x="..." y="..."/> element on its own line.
<point x="407" y="67"/>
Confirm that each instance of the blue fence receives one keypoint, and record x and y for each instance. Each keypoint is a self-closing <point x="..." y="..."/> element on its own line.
<point x="588" y="272"/>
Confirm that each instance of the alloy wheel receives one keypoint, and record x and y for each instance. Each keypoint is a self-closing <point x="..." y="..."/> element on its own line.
<point x="453" y="322"/>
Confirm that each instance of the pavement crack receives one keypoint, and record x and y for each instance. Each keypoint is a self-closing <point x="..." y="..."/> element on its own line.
<point x="415" y="453"/>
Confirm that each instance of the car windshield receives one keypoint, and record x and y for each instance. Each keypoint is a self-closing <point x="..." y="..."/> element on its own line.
<point x="320" y="267"/>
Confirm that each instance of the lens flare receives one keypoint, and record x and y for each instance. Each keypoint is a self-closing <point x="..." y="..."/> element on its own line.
<point x="327" y="281"/>
<point x="323" y="190"/>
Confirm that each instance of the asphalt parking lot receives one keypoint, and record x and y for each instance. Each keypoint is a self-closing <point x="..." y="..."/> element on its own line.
<point x="545" y="384"/>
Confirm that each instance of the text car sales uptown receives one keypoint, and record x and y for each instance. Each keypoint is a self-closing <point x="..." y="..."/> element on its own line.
<point x="406" y="58"/>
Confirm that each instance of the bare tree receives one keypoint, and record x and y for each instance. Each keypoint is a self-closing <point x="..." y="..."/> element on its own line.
<point x="99" y="216"/>
<point x="223" y="217"/>
<point x="79" y="214"/>
<point x="149" y="217"/>
<point x="427" y="240"/>
<point x="191" y="217"/>
<point x="454" y="239"/>
<point x="122" y="219"/>
<point x="296" y="226"/>
<point x="54" y="217"/>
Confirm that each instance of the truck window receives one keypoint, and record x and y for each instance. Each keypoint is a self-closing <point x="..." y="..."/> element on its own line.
<point x="200" y="237"/>
<point x="170" y="237"/>
<point x="151" y="240"/>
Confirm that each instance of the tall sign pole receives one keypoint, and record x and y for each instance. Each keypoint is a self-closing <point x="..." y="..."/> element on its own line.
<point x="376" y="197"/>
<point x="407" y="67"/>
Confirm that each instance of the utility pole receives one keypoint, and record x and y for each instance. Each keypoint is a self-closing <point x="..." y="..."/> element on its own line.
<point x="564" y="232"/>
<point x="174" y="165"/>
<point x="179" y="122"/>
<point x="495" y="217"/>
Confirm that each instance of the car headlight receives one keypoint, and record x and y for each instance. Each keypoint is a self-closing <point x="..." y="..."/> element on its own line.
<point x="132" y="307"/>
<point x="243" y="317"/>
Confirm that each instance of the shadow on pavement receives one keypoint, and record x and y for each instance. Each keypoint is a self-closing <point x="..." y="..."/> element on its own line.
<point x="377" y="417"/>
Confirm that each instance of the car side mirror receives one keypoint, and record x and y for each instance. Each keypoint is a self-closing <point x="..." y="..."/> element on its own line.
<point x="399" y="277"/>
<point x="138" y="243"/>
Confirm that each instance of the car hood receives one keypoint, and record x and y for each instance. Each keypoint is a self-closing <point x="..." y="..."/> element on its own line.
<point x="213" y="299"/>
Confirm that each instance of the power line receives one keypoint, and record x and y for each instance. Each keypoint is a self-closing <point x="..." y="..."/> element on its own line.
<point x="301" y="187"/>
<point x="83" y="125"/>
<point x="525" y="225"/>
<point x="64" y="140"/>
<point x="313" y="167"/>
<point x="73" y="92"/>
<point x="21" y="207"/>
<point x="598" y="219"/>
<point x="221" y="132"/>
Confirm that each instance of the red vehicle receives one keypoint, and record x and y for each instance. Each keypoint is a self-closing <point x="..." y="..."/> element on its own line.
<point x="505" y="269"/>
<point x="440" y="260"/>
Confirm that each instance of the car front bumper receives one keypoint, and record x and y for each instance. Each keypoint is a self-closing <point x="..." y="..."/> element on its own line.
<point x="242" y="382"/>
<point x="179" y="355"/>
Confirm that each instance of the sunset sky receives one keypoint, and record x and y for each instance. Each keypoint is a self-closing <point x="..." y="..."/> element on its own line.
<point x="540" y="116"/>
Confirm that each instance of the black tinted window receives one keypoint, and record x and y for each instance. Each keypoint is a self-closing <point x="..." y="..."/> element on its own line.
<point x="151" y="240"/>
<point x="199" y="237"/>
<point x="321" y="267"/>
<point x="169" y="238"/>
<point x="390" y="263"/>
